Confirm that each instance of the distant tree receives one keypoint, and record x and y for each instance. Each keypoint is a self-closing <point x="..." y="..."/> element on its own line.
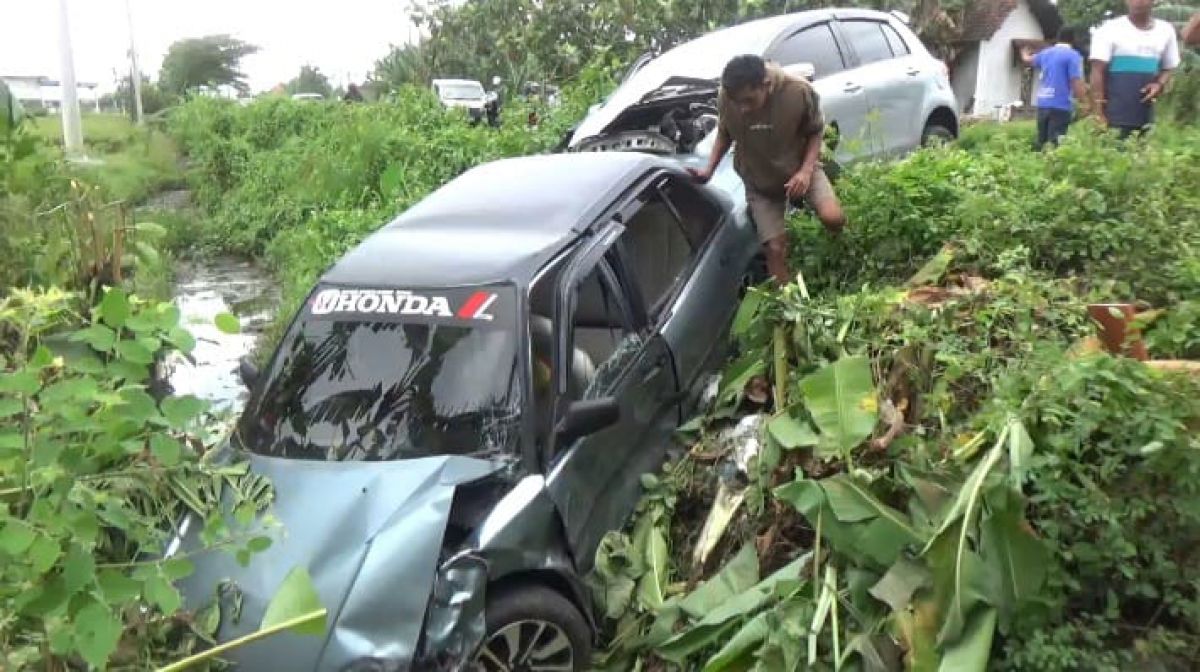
<point x="310" y="80"/>
<point x="154" y="98"/>
<point x="210" y="61"/>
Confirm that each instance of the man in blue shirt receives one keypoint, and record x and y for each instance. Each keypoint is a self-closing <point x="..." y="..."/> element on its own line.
<point x="1060" y="74"/>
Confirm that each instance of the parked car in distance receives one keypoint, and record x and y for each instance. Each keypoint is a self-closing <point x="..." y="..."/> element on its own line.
<point x="465" y="404"/>
<point x="881" y="90"/>
<point x="307" y="96"/>
<point x="467" y="94"/>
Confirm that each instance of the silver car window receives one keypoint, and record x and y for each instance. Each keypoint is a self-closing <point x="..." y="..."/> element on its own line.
<point x="816" y="45"/>
<point x="868" y="41"/>
<point x="899" y="48"/>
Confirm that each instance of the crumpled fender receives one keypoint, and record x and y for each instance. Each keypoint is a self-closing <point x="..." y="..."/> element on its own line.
<point x="369" y="533"/>
<point x="521" y="538"/>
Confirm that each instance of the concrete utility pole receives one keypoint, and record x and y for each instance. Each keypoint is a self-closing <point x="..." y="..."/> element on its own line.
<point x="136" y="73"/>
<point x="72" y="127"/>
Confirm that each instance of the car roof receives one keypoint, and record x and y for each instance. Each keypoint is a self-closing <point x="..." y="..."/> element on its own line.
<point x="497" y="222"/>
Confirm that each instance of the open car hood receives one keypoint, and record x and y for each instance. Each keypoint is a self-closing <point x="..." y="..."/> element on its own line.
<point x="369" y="533"/>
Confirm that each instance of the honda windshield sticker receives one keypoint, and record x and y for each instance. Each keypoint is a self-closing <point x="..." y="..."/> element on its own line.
<point x="476" y="306"/>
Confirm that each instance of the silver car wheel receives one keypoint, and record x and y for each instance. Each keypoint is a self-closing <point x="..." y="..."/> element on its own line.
<point x="527" y="646"/>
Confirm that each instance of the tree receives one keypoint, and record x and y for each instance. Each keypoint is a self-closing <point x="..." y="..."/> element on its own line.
<point x="310" y="80"/>
<point x="154" y="98"/>
<point x="210" y="61"/>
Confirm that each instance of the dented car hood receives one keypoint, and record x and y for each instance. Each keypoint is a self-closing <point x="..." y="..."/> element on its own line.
<point x="369" y="533"/>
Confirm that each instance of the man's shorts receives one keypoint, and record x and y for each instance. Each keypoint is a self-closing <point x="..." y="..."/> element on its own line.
<point x="768" y="210"/>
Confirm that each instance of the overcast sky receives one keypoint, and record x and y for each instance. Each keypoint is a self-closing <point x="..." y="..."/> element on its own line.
<point x="341" y="37"/>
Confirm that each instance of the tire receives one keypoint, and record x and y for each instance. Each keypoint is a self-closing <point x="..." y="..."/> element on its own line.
<point x="936" y="134"/>
<point x="534" y="627"/>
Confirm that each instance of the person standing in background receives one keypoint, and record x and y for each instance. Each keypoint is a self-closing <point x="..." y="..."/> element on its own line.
<point x="1191" y="32"/>
<point x="1132" y="59"/>
<point x="1060" y="78"/>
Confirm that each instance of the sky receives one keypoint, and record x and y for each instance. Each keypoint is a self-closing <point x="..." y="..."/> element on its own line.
<point x="341" y="37"/>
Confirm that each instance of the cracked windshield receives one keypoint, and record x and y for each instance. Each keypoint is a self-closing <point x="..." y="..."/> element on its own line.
<point x="664" y="335"/>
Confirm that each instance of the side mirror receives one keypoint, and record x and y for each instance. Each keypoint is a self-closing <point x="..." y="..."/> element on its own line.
<point x="587" y="417"/>
<point x="248" y="372"/>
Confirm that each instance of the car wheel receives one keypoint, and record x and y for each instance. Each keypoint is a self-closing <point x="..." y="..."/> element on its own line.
<point x="936" y="134"/>
<point x="534" y="628"/>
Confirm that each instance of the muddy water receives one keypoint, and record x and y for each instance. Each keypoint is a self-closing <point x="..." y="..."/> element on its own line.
<point x="203" y="290"/>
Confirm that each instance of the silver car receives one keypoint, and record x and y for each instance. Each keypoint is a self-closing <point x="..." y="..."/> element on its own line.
<point x="881" y="91"/>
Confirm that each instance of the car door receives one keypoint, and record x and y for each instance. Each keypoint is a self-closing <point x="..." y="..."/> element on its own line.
<point x="843" y="93"/>
<point x="694" y="317"/>
<point x="594" y="481"/>
<point x="894" y="81"/>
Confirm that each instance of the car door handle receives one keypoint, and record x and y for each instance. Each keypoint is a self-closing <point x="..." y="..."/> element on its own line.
<point x="655" y="369"/>
<point x="913" y="72"/>
<point x="851" y="87"/>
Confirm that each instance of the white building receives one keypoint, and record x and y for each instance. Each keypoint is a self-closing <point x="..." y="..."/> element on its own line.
<point x="987" y="73"/>
<point x="39" y="92"/>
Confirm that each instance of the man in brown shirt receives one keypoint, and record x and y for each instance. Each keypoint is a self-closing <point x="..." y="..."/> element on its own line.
<point x="776" y="122"/>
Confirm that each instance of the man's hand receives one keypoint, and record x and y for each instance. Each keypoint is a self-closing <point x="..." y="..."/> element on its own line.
<point x="700" y="176"/>
<point x="798" y="185"/>
<point x="1151" y="91"/>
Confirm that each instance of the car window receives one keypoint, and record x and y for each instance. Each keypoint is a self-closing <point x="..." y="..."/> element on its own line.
<point x="663" y="237"/>
<point x="899" y="48"/>
<point x="816" y="45"/>
<point x="366" y="374"/>
<point x="868" y="40"/>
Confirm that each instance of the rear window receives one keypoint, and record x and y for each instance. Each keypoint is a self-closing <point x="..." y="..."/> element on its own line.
<point x="387" y="374"/>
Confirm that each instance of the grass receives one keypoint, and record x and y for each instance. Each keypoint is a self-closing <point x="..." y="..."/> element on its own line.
<point x="134" y="162"/>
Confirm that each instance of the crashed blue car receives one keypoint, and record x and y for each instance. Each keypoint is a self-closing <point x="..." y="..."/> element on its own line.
<point x="464" y="404"/>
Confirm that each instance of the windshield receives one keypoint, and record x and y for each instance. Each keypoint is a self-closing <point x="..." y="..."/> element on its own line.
<point x="463" y="91"/>
<point x="367" y="374"/>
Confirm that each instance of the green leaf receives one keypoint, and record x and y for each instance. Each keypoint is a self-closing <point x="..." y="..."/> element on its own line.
<point x="258" y="544"/>
<point x="20" y="382"/>
<point x="897" y="587"/>
<point x="142" y="322"/>
<point x="968" y="497"/>
<point x="1016" y="556"/>
<point x="10" y="407"/>
<point x="1020" y="451"/>
<point x="182" y="338"/>
<point x="740" y="647"/>
<point x="79" y="569"/>
<point x="117" y="587"/>
<point x="296" y="597"/>
<point x="11" y="440"/>
<point x="166" y="450"/>
<point x="43" y="553"/>
<point x="137" y="406"/>
<point x="651" y="587"/>
<point x="733" y="382"/>
<point x="159" y="590"/>
<point x="128" y="371"/>
<point x="851" y="502"/>
<point x="738" y="575"/>
<point x="97" y="632"/>
<point x="841" y="399"/>
<point x="146" y="252"/>
<point x="16" y="537"/>
<point x="42" y="358"/>
<point x="98" y="336"/>
<point x="792" y="433"/>
<point x="746" y="312"/>
<point x="168" y="316"/>
<point x="227" y="323"/>
<point x="177" y="568"/>
<point x="179" y="411"/>
<point x="970" y="653"/>
<point x="114" y="308"/>
<point x="135" y="353"/>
